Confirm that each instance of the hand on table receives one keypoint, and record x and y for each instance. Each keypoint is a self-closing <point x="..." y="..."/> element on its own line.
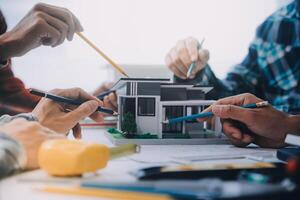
<point x="62" y="117"/>
<point x="266" y="126"/>
<point x="30" y="135"/>
<point x="183" y="54"/>
<point x="44" y="25"/>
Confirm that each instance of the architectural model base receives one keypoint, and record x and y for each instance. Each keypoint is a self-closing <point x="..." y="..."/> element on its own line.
<point x="116" y="139"/>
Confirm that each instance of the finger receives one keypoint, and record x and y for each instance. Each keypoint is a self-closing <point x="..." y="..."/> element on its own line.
<point x="177" y="61"/>
<point x="77" y="131"/>
<point x="233" y="112"/>
<point x="235" y="136"/>
<point x="201" y="63"/>
<point x="113" y="99"/>
<point x="183" y="54"/>
<point x="247" y="139"/>
<point x="239" y="100"/>
<point x="57" y="24"/>
<point x="231" y="132"/>
<point x="84" y="110"/>
<point x="204" y="111"/>
<point x="173" y="67"/>
<point x="192" y="48"/>
<point x="108" y="103"/>
<point x="48" y="35"/>
<point x="60" y="13"/>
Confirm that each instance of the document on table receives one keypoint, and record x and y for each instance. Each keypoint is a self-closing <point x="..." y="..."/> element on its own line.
<point x="194" y="153"/>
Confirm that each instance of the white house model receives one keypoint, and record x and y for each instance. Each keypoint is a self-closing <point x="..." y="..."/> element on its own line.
<point x="151" y="101"/>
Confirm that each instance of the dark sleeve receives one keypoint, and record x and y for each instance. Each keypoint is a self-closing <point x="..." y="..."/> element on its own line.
<point x="14" y="98"/>
<point x="206" y="77"/>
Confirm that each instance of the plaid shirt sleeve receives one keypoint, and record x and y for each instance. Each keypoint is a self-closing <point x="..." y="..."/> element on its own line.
<point x="271" y="69"/>
<point x="14" y="98"/>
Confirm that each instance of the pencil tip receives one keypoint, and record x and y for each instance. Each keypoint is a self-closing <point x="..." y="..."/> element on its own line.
<point x="115" y="113"/>
<point x="262" y="104"/>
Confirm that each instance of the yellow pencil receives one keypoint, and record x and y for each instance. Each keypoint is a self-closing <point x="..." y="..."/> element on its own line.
<point x="104" y="193"/>
<point x="91" y="44"/>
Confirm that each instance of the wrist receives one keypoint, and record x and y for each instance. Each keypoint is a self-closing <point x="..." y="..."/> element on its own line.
<point x="27" y="116"/>
<point x="293" y="124"/>
<point x="6" y="46"/>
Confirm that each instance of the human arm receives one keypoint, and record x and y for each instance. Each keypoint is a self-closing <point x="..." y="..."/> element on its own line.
<point x="52" y="117"/>
<point x="12" y="154"/>
<point x="19" y="143"/>
<point x="14" y="98"/>
<point x="61" y="117"/>
<point x="44" y="25"/>
<point x="110" y="100"/>
<point x="266" y="126"/>
<point x="20" y="137"/>
<point x="244" y="77"/>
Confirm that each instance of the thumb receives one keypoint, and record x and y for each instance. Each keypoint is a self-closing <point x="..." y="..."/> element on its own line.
<point x="50" y="36"/>
<point x="84" y="110"/>
<point x="231" y="112"/>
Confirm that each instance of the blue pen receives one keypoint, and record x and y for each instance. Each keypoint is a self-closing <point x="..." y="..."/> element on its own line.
<point x="193" y="65"/>
<point x="210" y="114"/>
<point x="67" y="100"/>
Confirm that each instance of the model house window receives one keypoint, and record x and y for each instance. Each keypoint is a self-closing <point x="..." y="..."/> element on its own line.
<point x="146" y="106"/>
<point x="173" y="112"/>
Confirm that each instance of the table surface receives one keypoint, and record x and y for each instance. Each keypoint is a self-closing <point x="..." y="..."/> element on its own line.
<point x="26" y="185"/>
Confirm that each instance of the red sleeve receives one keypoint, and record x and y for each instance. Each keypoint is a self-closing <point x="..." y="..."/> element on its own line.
<point x="14" y="98"/>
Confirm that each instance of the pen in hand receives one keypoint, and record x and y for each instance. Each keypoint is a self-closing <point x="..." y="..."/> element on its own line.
<point x="68" y="100"/>
<point x="210" y="114"/>
<point x="193" y="65"/>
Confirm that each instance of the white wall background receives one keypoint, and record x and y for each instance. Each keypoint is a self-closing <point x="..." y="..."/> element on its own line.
<point x="138" y="32"/>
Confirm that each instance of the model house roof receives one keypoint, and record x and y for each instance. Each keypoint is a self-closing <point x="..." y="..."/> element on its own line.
<point x="123" y="81"/>
<point x="160" y="87"/>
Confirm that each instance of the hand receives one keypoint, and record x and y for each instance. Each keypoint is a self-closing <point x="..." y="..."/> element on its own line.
<point x="63" y="117"/>
<point x="266" y="127"/>
<point x="30" y="135"/>
<point x="110" y="101"/>
<point x="183" y="54"/>
<point x="44" y="25"/>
